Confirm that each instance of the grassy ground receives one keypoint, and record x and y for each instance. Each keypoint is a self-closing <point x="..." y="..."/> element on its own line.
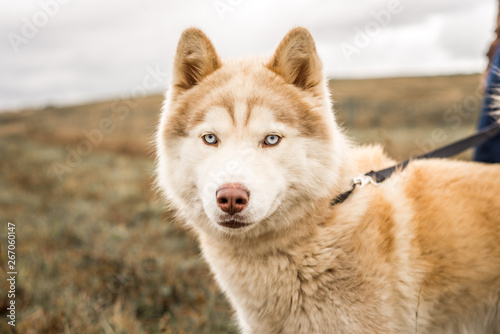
<point x="97" y="252"/>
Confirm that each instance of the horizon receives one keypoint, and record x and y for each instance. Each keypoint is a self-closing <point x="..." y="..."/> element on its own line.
<point x="78" y="104"/>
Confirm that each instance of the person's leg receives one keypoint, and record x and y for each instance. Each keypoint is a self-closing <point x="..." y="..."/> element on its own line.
<point x="489" y="151"/>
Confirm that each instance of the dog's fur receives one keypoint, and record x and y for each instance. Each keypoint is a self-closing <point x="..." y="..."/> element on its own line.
<point x="420" y="253"/>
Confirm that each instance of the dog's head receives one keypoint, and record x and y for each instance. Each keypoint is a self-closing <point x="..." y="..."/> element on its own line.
<point x="248" y="144"/>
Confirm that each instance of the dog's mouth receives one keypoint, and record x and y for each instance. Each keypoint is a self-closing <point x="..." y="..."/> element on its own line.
<point x="233" y="224"/>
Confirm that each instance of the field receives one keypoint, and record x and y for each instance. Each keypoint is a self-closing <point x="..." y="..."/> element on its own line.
<point x="96" y="250"/>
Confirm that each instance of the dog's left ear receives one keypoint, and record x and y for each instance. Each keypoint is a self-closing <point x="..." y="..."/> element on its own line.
<point x="297" y="61"/>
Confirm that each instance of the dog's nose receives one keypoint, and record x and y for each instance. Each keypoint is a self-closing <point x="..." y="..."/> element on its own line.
<point x="232" y="198"/>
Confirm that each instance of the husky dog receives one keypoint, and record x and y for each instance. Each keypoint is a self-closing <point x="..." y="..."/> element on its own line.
<point x="250" y="157"/>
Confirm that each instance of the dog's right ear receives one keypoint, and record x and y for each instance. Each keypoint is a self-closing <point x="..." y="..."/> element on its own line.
<point x="195" y="59"/>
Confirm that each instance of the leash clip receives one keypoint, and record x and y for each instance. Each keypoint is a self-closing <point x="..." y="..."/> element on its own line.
<point x="363" y="179"/>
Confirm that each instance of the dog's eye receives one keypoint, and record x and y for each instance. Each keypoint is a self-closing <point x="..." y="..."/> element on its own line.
<point x="210" y="139"/>
<point x="272" y="140"/>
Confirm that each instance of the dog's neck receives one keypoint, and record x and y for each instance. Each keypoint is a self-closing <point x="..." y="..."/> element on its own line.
<point x="276" y="272"/>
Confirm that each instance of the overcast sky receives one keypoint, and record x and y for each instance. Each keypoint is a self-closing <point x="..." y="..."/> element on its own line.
<point x="74" y="51"/>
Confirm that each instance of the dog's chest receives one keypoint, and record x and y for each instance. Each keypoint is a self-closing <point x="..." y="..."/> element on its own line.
<point x="284" y="292"/>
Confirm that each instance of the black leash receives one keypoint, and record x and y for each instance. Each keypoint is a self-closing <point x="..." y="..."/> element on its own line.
<point x="443" y="152"/>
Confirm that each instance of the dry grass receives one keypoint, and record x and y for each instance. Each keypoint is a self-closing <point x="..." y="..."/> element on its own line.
<point x="409" y="116"/>
<point x="97" y="253"/>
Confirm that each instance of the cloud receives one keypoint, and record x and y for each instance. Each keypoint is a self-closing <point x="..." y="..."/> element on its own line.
<point x="92" y="50"/>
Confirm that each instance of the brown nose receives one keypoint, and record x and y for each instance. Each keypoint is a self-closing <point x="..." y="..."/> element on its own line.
<point x="232" y="198"/>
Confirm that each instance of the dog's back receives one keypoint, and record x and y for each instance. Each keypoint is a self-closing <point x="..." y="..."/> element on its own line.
<point x="437" y="225"/>
<point x="456" y="209"/>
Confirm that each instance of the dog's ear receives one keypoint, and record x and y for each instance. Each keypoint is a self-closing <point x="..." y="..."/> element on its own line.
<point x="297" y="61"/>
<point x="195" y="59"/>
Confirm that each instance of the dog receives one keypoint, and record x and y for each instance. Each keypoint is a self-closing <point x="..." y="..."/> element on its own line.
<point x="249" y="157"/>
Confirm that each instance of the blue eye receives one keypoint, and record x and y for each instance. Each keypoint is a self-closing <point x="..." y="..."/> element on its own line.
<point x="210" y="139"/>
<point x="272" y="140"/>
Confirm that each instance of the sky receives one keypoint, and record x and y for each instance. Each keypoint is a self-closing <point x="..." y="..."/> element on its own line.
<point x="64" y="52"/>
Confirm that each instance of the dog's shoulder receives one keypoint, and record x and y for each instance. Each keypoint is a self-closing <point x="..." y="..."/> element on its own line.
<point x="370" y="157"/>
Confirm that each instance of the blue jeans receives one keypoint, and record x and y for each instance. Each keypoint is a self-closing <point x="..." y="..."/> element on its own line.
<point x="489" y="151"/>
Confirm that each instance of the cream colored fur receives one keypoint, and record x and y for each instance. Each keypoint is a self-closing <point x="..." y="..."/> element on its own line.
<point x="420" y="253"/>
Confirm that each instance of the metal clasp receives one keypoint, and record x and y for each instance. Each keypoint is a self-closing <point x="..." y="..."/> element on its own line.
<point x="363" y="179"/>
